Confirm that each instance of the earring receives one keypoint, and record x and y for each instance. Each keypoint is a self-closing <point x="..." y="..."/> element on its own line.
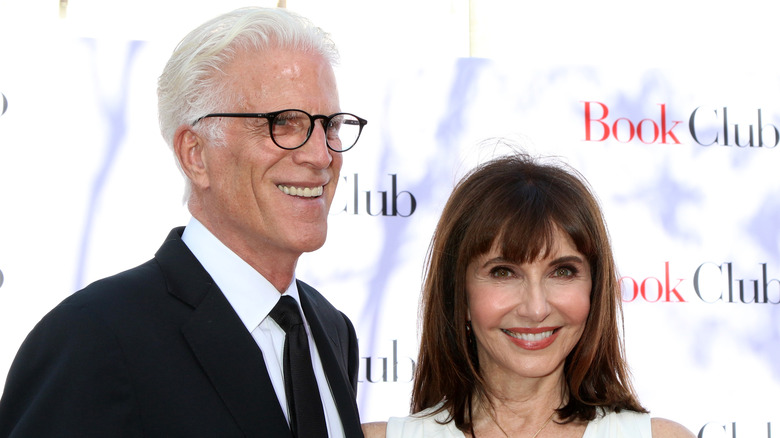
<point x="468" y="331"/>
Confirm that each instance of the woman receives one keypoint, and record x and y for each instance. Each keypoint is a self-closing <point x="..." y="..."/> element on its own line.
<point x="521" y="316"/>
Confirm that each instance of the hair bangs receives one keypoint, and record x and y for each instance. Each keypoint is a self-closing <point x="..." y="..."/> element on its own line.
<point x="518" y="222"/>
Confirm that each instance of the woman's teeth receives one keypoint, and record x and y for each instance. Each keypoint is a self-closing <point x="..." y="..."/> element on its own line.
<point x="529" y="336"/>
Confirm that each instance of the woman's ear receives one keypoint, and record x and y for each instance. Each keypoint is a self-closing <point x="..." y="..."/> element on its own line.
<point x="189" y="148"/>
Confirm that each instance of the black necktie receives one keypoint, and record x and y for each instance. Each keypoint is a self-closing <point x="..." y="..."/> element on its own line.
<point x="307" y="419"/>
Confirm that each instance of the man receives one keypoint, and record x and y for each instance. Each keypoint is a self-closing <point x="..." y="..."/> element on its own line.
<point x="187" y="344"/>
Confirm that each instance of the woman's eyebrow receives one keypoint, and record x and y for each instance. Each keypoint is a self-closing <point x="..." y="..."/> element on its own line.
<point x="567" y="259"/>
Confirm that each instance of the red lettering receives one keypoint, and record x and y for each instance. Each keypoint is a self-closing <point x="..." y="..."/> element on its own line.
<point x="660" y="290"/>
<point x="589" y="120"/>
<point x="663" y="291"/>
<point x="635" y="289"/>
<point x="674" y="289"/>
<point x="624" y="129"/>
<point x="630" y="130"/>
<point x="663" y="126"/>
<point x="639" y="131"/>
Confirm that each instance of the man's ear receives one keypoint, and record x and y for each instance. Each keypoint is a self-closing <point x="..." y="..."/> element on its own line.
<point x="189" y="148"/>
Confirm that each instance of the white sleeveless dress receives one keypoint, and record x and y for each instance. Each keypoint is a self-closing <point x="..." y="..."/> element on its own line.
<point x="626" y="424"/>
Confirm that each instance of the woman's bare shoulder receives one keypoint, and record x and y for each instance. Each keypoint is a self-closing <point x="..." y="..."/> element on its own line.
<point x="663" y="428"/>
<point x="375" y="430"/>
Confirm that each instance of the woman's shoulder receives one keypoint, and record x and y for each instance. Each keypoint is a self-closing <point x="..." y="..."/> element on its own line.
<point x="431" y="422"/>
<point x="663" y="428"/>
<point x="376" y="429"/>
<point x="619" y="424"/>
<point x="634" y="424"/>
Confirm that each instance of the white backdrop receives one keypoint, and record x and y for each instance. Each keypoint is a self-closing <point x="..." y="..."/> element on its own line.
<point x="88" y="187"/>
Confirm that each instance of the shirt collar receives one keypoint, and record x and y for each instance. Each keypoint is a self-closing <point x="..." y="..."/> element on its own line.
<point x="250" y="294"/>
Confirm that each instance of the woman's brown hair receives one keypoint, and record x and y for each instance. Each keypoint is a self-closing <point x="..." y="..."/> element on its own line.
<point x="520" y="201"/>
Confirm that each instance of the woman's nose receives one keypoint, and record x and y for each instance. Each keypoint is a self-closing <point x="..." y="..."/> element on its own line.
<point x="533" y="304"/>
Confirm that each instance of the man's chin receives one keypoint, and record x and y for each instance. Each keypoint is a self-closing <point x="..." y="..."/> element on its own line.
<point x="311" y="243"/>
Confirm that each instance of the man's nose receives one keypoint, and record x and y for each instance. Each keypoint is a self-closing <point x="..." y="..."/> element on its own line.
<point x="315" y="151"/>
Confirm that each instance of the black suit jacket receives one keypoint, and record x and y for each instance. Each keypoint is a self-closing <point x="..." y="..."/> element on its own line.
<point x="157" y="351"/>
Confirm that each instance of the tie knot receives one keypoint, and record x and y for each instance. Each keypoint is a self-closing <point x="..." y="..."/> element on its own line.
<point x="286" y="313"/>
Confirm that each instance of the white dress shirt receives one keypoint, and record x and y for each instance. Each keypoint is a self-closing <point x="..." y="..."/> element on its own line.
<point x="253" y="297"/>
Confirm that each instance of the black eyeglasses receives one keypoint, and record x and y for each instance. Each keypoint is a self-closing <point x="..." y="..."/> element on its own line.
<point x="291" y="128"/>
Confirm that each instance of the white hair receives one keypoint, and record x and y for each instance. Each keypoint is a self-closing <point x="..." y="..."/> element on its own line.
<point x="189" y="87"/>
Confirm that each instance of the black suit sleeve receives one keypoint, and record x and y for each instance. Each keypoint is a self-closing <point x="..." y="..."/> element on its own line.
<point x="353" y="357"/>
<point x="70" y="378"/>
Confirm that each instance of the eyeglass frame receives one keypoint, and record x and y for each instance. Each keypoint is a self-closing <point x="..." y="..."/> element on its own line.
<point x="312" y="118"/>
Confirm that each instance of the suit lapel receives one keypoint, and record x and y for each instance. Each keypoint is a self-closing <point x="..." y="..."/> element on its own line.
<point x="235" y="366"/>
<point x="330" y="350"/>
<point x="221" y="343"/>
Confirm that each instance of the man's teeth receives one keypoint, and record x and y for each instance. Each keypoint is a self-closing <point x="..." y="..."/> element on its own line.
<point x="529" y="336"/>
<point x="306" y="192"/>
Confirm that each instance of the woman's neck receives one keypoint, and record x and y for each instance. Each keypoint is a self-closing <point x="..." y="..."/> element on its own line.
<point x="520" y="407"/>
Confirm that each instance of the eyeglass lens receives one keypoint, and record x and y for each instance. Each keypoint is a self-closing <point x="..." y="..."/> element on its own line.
<point x="290" y="129"/>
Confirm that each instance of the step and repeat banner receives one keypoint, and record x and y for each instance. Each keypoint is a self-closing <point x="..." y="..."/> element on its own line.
<point x="685" y="161"/>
